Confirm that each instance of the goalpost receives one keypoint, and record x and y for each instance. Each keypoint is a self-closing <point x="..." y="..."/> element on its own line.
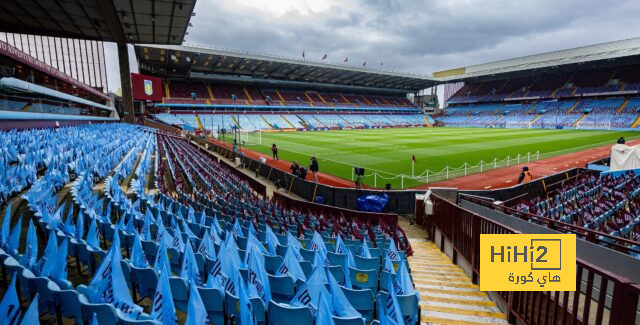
<point x="518" y="125"/>
<point x="592" y="125"/>
<point x="250" y="137"/>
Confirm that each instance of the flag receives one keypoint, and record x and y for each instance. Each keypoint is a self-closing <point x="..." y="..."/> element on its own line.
<point x="294" y="243"/>
<point x="6" y="227"/>
<point x="32" y="315"/>
<point x="350" y="262"/>
<point x="310" y="291"/>
<point x="324" y="315"/>
<point x="80" y="225"/>
<point x="48" y="261"/>
<point x="291" y="266"/>
<point x="94" y="319"/>
<point x="191" y="215"/>
<point x="303" y="54"/>
<point x="14" y="237"/>
<point x="237" y="229"/>
<point x="413" y="158"/>
<point x="341" y="247"/>
<point x="92" y="235"/>
<point x="59" y="274"/>
<point x="138" y="257"/>
<point x="31" y="249"/>
<point x="317" y="244"/>
<point x="10" y="306"/>
<point x="109" y="285"/>
<point x="163" y="308"/>
<point x="324" y="57"/>
<point x="246" y="309"/>
<point x="364" y="250"/>
<point x="207" y="248"/>
<point x="272" y="241"/>
<point x="391" y="309"/>
<point x="257" y="278"/>
<point x="189" y="268"/>
<point x="346" y="59"/>
<point x="196" y="313"/>
<point x="364" y="64"/>
<point x="339" y="302"/>
<point x="407" y="287"/>
<point x="162" y="259"/>
<point x="392" y="251"/>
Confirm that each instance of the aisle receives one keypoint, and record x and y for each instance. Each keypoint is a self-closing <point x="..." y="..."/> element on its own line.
<point x="447" y="295"/>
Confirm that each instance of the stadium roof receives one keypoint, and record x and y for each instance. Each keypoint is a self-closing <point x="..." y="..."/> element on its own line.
<point x="189" y="61"/>
<point x="123" y="21"/>
<point x="617" y="50"/>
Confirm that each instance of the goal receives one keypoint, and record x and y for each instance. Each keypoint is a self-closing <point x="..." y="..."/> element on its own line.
<point x="593" y="125"/>
<point x="250" y="137"/>
<point x="518" y="125"/>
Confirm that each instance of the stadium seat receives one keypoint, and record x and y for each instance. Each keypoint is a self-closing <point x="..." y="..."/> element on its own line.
<point x="282" y="288"/>
<point x="364" y="279"/>
<point x="144" y="282"/>
<point x="408" y="303"/>
<point x="283" y="314"/>
<point x="180" y="292"/>
<point x="213" y="302"/>
<point x="361" y="300"/>
<point x="367" y="263"/>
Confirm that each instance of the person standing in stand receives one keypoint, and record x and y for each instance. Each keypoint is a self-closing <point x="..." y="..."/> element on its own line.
<point x="274" y="150"/>
<point x="313" y="166"/>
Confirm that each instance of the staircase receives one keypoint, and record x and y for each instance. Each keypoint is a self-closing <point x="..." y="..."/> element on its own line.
<point x="166" y="89"/>
<point x="199" y="122"/>
<point x="303" y="122"/>
<point x="266" y="122"/>
<point x="246" y="93"/>
<point x="26" y="107"/>
<point x="287" y="121"/>
<point x="535" y="118"/>
<point x="281" y="99"/>
<point x="235" y="121"/>
<point x="636" y="122"/>
<point x="572" y="107"/>
<point x="624" y="104"/>
<point x="580" y="119"/>
<point x="309" y="99"/>
<point x="426" y="121"/>
<point x="209" y="91"/>
<point x="447" y="295"/>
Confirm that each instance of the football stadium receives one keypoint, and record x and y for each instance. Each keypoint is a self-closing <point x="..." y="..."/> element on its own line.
<point x="221" y="186"/>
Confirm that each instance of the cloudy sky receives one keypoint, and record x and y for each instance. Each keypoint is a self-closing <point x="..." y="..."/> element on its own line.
<point x="407" y="35"/>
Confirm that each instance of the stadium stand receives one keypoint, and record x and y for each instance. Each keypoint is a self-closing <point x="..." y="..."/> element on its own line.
<point x="178" y="250"/>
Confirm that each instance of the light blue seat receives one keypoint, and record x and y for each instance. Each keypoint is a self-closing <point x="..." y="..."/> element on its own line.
<point x="361" y="300"/>
<point x="408" y="304"/>
<point x="271" y="263"/>
<point x="284" y="314"/>
<point x="258" y="311"/>
<point x="367" y="263"/>
<point x="364" y="279"/>
<point x="338" y="273"/>
<point x="282" y="288"/>
<point x="307" y="255"/>
<point x="336" y="259"/>
<point x="348" y="321"/>
<point x="143" y="282"/>
<point x="213" y="302"/>
<point x="67" y="303"/>
<point x="105" y="313"/>
<point x="41" y="285"/>
<point x="174" y="259"/>
<point x="180" y="292"/>
<point x="307" y="268"/>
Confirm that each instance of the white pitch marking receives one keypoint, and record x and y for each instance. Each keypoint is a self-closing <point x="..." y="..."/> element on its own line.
<point x="508" y="181"/>
<point x="487" y="187"/>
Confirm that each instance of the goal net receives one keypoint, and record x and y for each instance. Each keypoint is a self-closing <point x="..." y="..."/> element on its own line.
<point x="593" y="125"/>
<point x="518" y="125"/>
<point x="250" y="137"/>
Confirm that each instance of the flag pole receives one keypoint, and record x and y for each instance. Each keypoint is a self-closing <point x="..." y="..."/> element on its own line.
<point x="412" y="166"/>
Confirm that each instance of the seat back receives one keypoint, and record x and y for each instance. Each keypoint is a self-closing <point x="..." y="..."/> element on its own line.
<point x="361" y="300"/>
<point x="348" y="321"/>
<point x="145" y="281"/>
<point x="338" y="273"/>
<point x="282" y="288"/>
<point x="288" y="315"/>
<point x="408" y="304"/>
<point x="367" y="263"/>
<point x="364" y="279"/>
<point x="180" y="292"/>
<point x="336" y="259"/>
<point x="213" y="301"/>
<point x="271" y="263"/>
<point x="307" y="254"/>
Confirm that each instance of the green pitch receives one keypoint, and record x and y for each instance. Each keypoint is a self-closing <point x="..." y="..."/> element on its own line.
<point x="387" y="152"/>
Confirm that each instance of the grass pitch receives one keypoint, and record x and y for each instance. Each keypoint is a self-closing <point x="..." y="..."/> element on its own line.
<point x="388" y="152"/>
